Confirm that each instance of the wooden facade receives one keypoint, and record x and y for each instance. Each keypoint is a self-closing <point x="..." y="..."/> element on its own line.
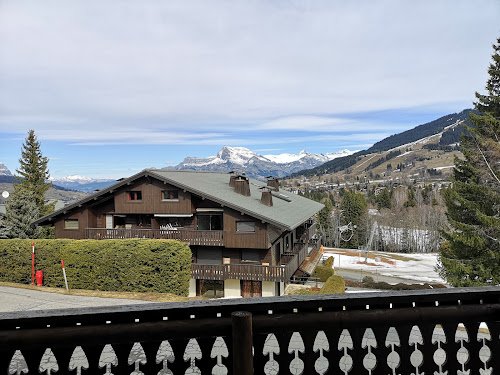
<point x="226" y="243"/>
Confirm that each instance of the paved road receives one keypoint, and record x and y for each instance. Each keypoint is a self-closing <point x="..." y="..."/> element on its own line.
<point x="18" y="299"/>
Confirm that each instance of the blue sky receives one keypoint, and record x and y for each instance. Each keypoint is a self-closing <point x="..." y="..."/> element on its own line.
<point x="112" y="87"/>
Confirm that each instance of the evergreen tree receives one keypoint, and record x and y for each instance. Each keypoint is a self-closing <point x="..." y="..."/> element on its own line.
<point x="33" y="172"/>
<point x="354" y="208"/>
<point x="21" y="212"/>
<point x="471" y="255"/>
<point x="411" y="198"/>
<point x="3" y="228"/>
<point x="325" y="215"/>
<point x="384" y="199"/>
<point x="325" y="222"/>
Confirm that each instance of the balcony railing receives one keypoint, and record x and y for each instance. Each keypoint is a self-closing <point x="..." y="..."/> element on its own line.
<point x="238" y="272"/>
<point x="193" y="237"/>
<point x="306" y="232"/>
<point x="289" y="263"/>
<point x="441" y="331"/>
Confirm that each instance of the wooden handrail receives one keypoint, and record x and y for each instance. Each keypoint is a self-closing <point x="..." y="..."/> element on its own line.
<point x="426" y="331"/>
<point x="193" y="237"/>
<point x="238" y="272"/>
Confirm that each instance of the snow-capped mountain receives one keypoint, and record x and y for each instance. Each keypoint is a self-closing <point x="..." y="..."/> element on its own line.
<point x="4" y="171"/>
<point x="256" y="165"/>
<point x="81" y="183"/>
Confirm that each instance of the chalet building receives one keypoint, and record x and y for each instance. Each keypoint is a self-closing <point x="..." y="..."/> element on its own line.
<point x="247" y="237"/>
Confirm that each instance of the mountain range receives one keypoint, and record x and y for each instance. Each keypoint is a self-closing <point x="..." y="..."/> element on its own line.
<point x="450" y="135"/>
<point x="4" y="171"/>
<point x="81" y="183"/>
<point x="255" y="165"/>
<point x="242" y="159"/>
<point x="74" y="182"/>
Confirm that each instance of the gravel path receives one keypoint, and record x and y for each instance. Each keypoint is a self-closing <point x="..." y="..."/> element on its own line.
<point x="19" y="299"/>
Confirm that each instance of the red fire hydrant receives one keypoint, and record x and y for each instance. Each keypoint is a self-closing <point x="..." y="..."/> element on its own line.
<point x="39" y="278"/>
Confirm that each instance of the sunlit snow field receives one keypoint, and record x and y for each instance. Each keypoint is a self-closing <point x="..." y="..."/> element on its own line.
<point x="419" y="267"/>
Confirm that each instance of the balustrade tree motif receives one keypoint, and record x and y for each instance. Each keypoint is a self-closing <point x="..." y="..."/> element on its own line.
<point x="461" y="339"/>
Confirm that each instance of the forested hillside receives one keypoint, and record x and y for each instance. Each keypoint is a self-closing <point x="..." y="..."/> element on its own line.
<point x="451" y="136"/>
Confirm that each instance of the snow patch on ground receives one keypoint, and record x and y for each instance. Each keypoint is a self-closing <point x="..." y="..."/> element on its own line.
<point x="418" y="267"/>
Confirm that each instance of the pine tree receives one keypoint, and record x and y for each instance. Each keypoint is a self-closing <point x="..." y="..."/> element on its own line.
<point x="471" y="255"/>
<point x="33" y="172"/>
<point x="354" y="208"/>
<point x="383" y="200"/>
<point x="325" y="222"/>
<point x="21" y="212"/>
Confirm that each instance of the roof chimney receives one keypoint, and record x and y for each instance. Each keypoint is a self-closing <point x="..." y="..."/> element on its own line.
<point x="242" y="185"/>
<point x="273" y="182"/>
<point x="232" y="177"/>
<point x="267" y="197"/>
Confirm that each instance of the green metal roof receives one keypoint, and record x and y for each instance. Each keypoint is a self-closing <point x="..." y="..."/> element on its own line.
<point x="287" y="212"/>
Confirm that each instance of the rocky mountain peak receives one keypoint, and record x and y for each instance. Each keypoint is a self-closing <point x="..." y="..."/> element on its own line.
<point x="4" y="171"/>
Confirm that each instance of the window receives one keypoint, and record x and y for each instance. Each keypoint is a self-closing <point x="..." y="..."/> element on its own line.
<point x="176" y="222"/>
<point x="71" y="224"/>
<point x="170" y="195"/>
<point x="245" y="226"/>
<point x="209" y="222"/>
<point x="210" y="288"/>
<point x="134" y="195"/>
<point x="250" y="255"/>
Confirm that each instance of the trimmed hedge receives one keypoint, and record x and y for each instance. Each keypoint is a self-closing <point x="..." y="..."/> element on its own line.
<point x="329" y="262"/>
<point x="323" y="273"/>
<point x="132" y="265"/>
<point x="335" y="284"/>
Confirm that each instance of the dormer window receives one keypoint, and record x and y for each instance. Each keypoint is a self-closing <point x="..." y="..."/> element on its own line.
<point x="134" y="195"/>
<point x="170" y="195"/>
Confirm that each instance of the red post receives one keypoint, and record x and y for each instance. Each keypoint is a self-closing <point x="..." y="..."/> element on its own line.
<point x="64" y="274"/>
<point x="33" y="264"/>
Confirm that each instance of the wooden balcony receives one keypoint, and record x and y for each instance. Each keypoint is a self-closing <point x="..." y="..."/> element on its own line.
<point x="306" y="232"/>
<point x="289" y="263"/>
<point x="440" y="331"/>
<point x="193" y="237"/>
<point x="238" y="272"/>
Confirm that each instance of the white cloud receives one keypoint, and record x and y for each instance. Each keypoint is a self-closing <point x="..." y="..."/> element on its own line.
<point x="114" y="72"/>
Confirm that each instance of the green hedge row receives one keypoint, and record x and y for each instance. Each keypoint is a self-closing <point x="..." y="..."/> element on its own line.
<point x="329" y="262"/>
<point x="134" y="265"/>
<point x="335" y="284"/>
<point x="323" y="273"/>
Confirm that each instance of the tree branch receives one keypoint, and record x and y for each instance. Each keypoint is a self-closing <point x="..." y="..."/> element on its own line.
<point x="486" y="161"/>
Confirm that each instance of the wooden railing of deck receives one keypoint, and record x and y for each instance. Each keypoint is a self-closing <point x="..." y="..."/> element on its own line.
<point x="440" y="331"/>
<point x="289" y="263"/>
<point x="308" y="232"/>
<point x="193" y="237"/>
<point x="238" y="272"/>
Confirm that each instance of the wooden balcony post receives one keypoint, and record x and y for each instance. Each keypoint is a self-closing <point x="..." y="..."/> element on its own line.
<point x="242" y="343"/>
